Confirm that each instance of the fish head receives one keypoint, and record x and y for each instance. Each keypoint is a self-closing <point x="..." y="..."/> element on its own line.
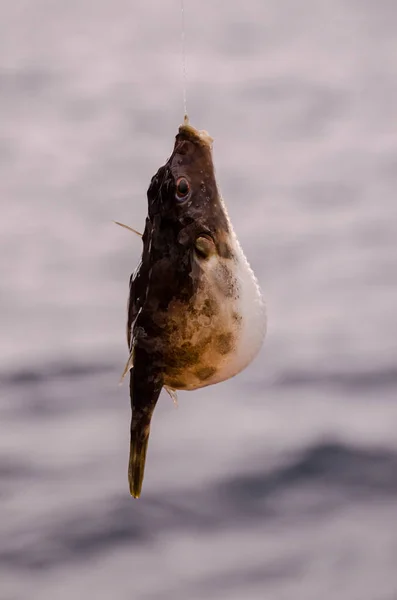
<point x="185" y="194"/>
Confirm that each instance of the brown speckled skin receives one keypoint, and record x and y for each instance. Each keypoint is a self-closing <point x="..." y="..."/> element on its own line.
<point x="174" y="326"/>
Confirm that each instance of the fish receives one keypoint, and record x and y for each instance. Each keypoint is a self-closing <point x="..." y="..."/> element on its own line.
<point x="196" y="314"/>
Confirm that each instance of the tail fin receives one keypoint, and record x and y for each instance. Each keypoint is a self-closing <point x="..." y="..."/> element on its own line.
<point x="144" y="393"/>
<point x="140" y="430"/>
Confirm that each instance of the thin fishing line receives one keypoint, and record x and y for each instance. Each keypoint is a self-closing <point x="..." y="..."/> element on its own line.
<point x="183" y="48"/>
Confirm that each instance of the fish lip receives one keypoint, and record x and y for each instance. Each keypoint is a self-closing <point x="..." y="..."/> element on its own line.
<point x="195" y="135"/>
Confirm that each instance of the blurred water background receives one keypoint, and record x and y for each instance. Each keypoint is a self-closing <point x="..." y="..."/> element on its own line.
<point x="282" y="483"/>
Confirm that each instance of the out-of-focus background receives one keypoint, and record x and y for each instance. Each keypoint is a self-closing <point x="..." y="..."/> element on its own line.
<point x="281" y="483"/>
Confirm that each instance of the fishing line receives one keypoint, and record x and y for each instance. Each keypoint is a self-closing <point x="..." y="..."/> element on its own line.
<point x="183" y="50"/>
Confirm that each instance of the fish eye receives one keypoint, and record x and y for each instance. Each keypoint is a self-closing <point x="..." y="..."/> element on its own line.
<point x="182" y="188"/>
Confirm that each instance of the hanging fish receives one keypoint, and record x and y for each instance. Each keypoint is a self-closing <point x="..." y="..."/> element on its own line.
<point x="195" y="313"/>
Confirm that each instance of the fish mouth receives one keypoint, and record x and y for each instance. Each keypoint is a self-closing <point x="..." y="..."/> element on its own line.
<point x="195" y="135"/>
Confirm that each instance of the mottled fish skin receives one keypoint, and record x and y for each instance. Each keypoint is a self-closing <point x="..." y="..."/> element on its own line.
<point x="195" y="312"/>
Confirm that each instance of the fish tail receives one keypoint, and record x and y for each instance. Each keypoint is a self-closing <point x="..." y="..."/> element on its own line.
<point x="140" y="430"/>
<point x="144" y="395"/>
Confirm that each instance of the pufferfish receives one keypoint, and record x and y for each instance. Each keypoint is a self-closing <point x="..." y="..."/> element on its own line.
<point x="196" y="315"/>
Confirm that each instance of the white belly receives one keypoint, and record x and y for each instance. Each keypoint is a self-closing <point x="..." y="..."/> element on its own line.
<point x="250" y="331"/>
<point x="214" y="346"/>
